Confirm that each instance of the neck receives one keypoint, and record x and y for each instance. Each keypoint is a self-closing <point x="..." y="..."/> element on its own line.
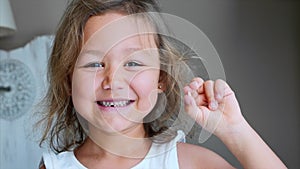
<point x="131" y="143"/>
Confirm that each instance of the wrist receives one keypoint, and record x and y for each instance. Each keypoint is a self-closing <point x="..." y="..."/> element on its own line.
<point x="236" y="134"/>
<point x="249" y="148"/>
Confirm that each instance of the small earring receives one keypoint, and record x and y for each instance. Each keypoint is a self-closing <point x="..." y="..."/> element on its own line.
<point x="160" y="86"/>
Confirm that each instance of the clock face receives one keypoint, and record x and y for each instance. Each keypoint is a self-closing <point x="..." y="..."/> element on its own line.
<point x="17" y="89"/>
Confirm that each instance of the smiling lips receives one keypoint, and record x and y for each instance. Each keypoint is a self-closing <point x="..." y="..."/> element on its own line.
<point x="112" y="103"/>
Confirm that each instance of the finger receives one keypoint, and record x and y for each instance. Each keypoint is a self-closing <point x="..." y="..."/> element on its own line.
<point x="192" y="88"/>
<point x="192" y="109"/>
<point x="209" y="93"/>
<point x="196" y="83"/>
<point x="200" y="89"/>
<point x="201" y="100"/>
<point x="197" y="86"/>
<point x="187" y="89"/>
<point x="219" y="90"/>
<point x="202" y="115"/>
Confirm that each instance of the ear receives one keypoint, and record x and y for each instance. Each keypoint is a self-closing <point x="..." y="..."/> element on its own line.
<point x="162" y="81"/>
<point x="161" y="87"/>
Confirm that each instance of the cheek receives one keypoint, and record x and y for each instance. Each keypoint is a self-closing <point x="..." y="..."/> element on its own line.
<point x="82" y="91"/>
<point x="145" y="86"/>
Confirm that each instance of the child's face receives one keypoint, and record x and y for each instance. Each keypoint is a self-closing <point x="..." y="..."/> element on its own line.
<point x="115" y="79"/>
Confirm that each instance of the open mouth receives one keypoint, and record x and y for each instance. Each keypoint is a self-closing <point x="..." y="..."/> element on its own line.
<point x="121" y="103"/>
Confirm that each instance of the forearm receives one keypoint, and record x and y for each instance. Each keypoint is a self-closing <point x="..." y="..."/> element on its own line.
<point x="249" y="148"/>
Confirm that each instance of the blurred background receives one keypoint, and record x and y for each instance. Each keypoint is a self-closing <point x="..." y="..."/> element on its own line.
<point x="257" y="41"/>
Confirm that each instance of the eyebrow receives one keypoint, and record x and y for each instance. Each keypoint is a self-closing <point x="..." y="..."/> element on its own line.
<point x="92" y="52"/>
<point x="100" y="53"/>
<point x="134" y="49"/>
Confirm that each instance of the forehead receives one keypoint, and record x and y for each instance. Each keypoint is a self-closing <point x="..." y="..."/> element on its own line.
<point x="110" y="29"/>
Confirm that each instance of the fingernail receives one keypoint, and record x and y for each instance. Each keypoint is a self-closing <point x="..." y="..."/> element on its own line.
<point x="218" y="96"/>
<point x="213" y="105"/>
<point x="195" y="84"/>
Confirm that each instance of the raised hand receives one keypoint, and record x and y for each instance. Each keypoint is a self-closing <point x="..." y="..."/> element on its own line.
<point x="213" y="105"/>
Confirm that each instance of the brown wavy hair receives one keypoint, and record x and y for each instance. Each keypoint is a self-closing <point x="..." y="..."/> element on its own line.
<point x="61" y="128"/>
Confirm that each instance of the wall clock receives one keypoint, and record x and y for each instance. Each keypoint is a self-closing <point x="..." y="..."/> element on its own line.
<point x="17" y="89"/>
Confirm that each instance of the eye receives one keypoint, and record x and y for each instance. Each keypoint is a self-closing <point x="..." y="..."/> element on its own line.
<point x="132" y="64"/>
<point x="95" y="65"/>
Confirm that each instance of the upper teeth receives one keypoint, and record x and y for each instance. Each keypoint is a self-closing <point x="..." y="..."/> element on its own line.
<point x="114" y="104"/>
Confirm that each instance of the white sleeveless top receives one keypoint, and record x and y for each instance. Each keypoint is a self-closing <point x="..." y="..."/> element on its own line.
<point x="162" y="156"/>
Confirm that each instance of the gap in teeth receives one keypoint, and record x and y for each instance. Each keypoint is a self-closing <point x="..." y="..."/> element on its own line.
<point x="115" y="104"/>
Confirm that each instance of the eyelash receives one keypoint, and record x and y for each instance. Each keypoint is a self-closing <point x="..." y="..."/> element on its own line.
<point x="95" y="64"/>
<point x="102" y="65"/>
<point x="132" y="63"/>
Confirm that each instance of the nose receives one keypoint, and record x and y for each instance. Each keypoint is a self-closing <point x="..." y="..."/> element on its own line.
<point x="112" y="78"/>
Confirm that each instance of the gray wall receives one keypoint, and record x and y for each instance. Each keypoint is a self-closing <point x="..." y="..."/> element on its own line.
<point x="258" y="42"/>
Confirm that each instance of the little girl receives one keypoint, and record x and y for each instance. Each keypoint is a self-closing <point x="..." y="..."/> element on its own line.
<point x="110" y="76"/>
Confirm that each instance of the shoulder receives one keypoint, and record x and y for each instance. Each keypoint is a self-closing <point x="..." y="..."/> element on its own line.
<point x="42" y="166"/>
<point x="64" y="160"/>
<point x="51" y="156"/>
<point x="194" y="156"/>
